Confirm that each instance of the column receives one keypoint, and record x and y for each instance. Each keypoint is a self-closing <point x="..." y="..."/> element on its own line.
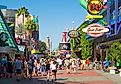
<point x="116" y="14"/>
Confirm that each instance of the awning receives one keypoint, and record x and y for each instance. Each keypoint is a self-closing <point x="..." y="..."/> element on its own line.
<point x="34" y="51"/>
<point x="8" y="50"/>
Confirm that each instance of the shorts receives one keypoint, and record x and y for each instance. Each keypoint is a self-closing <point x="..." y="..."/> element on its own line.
<point x="30" y="71"/>
<point x="18" y="71"/>
<point x="10" y="71"/>
<point x="54" y="71"/>
<point x="43" y="69"/>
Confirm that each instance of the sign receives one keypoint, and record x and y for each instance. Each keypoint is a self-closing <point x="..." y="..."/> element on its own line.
<point x="95" y="30"/>
<point x="73" y="34"/>
<point x="21" y="48"/>
<point x="64" y="46"/>
<point x="94" y="7"/>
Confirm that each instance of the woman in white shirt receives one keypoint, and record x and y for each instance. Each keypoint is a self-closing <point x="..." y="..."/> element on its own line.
<point x="53" y="67"/>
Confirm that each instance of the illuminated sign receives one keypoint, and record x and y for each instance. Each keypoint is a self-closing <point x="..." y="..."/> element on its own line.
<point x="95" y="30"/>
<point x="64" y="46"/>
<point x="73" y="34"/>
<point x="21" y="48"/>
<point x="94" y="8"/>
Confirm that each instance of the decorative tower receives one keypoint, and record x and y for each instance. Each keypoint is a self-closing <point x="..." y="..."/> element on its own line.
<point x="64" y="36"/>
<point x="48" y="44"/>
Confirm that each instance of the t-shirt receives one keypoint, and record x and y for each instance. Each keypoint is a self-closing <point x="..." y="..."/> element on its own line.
<point x="4" y="61"/>
<point x="67" y="62"/>
<point x="30" y="64"/>
<point x="106" y="63"/>
<point x="83" y="61"/>
<point x="59" y="61"/>
<point x="18" y="64"/>
<point x="53" y="66"/>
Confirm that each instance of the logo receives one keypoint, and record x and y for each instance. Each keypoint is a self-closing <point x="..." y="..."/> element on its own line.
<point x="73" y="34"/>
<point x="94" y="8"/>
<point x="95" y="30"/>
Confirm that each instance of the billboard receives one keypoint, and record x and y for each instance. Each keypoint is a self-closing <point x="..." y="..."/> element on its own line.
<point x="64" y="46"/>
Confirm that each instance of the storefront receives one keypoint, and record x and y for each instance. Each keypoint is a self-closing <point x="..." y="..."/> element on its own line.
<point x="8" y="45"/>
<point x="113" y="18"/>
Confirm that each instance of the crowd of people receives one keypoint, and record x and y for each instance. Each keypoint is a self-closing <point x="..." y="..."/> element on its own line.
<point x="21" y="68"/>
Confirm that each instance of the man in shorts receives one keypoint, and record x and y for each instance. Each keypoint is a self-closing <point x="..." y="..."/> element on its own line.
<point x="18" y="67"/>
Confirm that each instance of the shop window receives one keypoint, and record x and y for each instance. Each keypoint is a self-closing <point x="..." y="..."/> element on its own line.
<point x="119" y="13"/>
<point x="112" y="29"/>
<point x="113" y="17"/>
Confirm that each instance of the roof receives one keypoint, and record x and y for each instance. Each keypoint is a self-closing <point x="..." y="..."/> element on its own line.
<point x="4" y="29"/>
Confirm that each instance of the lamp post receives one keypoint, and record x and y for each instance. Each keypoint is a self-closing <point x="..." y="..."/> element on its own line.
<point x="72" y="40"/>
<point x="51" y="48"/>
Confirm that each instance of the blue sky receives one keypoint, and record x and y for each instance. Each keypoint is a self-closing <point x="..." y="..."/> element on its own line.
<point x="54" y="15"/>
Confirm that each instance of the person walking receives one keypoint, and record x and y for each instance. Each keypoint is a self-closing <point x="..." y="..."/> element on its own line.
<point x="30" y="67"/>
<point x="48" y="69"/>
<point x="67" y="64"/>
<point x="25" y="68"/>
<point x="37" y="65"/>
<point x="9" y="68"/>
<point x="3" y="66"/>
<point x="43" y="68"/>
<point x="53" y="67"/>
<point x="87" y="63"/>
<point x="74" y="66"/>
<point x="18" y="68"/>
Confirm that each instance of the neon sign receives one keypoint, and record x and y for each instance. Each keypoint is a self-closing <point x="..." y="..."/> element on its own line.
<point x="94" y="7"/>
<point x="73" y="34"/>
<point x="95" y="30"/>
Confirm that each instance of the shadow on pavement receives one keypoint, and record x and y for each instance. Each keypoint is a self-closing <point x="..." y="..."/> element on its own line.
<point x="61" y="79"/>
<point x="27" y="81"/>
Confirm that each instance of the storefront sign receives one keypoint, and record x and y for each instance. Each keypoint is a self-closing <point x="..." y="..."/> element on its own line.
<point x="73" y="34"/>
<point x="64" y="46"/>
<point x="95" y="30"/>
<point x="94" y="8"/>
<point x="21" y="48"/>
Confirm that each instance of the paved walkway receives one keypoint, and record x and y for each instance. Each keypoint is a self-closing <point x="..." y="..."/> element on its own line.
<point x="80" y="77"/>
<point x="116" y="78"/>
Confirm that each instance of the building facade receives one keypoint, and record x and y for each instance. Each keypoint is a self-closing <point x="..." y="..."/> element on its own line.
<point x="9" y="16"/>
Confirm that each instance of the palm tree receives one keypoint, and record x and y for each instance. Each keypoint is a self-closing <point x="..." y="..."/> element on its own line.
<point x="25" y="14"/>
<point x="23" y="11"/>
<point x="30" y="26"/>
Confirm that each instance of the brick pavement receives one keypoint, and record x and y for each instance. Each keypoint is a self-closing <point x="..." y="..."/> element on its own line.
<point x="80" y="77"/>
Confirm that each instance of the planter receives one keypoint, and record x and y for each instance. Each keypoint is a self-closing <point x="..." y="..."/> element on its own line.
<point x="112" y="70"/>
<point x="120" y="72"/>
